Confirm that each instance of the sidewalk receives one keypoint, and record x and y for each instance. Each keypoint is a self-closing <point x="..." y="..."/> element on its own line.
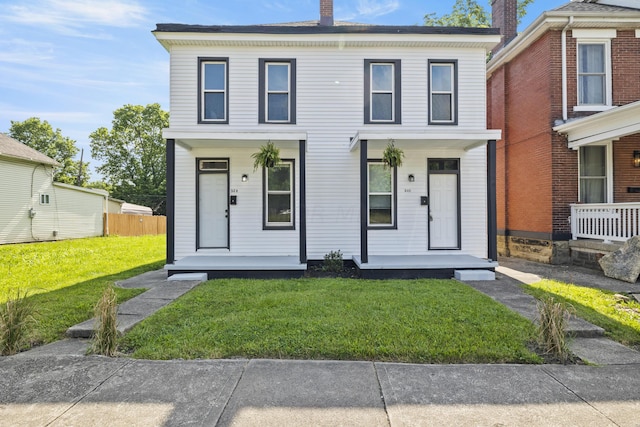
<point x="57" y="385"/>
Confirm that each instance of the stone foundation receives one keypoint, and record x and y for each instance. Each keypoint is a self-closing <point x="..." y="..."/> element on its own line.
<point x="545" y="251"/>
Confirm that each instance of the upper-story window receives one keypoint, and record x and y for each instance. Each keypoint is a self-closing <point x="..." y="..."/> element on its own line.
<point x="443" y="96"/>
<point x="382" y="82"/>
<point x="277" y="98"/>
<point x="592" y="74"/>
<point x="213" y="83"/>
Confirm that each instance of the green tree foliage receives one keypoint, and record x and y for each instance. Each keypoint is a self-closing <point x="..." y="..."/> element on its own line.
<point x="133" y="155"/>
<point x="40" y="136"/>
<point x="469" y="13"/>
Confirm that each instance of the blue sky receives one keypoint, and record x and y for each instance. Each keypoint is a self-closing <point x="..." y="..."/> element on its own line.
<point x="73" y="62"/>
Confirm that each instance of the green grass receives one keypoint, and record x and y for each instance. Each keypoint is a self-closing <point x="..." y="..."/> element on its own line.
<point x="621" y="321"/>
<point x="65" y="279"/>
<point x="424" y="321"/>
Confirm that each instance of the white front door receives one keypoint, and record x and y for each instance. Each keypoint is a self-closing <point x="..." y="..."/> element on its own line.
<point x="443" y="211"/>
<point x="213" y="211"/>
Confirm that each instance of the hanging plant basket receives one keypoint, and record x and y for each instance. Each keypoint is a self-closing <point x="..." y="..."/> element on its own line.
<point x="392" y="156"/>
<point x="268" y="156"/>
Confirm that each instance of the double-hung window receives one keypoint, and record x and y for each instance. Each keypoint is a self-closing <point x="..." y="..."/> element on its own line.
<point x="592" y="74"/>
<point x="382" y="195"/>
<point x="278" y="196"/>
<point x="382" y="81"/>
<point x="213" y="83"/>
<point x="277" y="97"/>
<point x="443" y="97"/>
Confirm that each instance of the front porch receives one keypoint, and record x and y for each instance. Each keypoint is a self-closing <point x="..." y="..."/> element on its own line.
<point x="441" y="266"/>
<point x="419" y="266"/>
<point x="609" y="222"/>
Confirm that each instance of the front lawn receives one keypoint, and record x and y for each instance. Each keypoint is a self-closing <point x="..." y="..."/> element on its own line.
<point x="66" y="278"/>
<point x="620" y="320"/>
<point x="422" y="321"/>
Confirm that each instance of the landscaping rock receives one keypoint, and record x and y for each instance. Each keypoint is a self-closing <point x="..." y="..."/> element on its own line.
<point x="623" y="264"/>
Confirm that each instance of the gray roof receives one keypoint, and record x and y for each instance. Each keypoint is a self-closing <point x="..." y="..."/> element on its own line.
<point x="10" y="147"/>
<point x="576" y="6"/>
<point x="306" y="28"/>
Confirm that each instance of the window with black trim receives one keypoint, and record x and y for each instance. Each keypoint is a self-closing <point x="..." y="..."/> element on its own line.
<point x="213" y="92"/>
<point x="278" y="196"/>
<point x="277" y="87"/>
<point x="443" y="96"/>
<point x="382" y="88"/>
<point x="382" y="195"/>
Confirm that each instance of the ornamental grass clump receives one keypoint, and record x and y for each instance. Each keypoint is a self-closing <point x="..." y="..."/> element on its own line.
<point x="105" y="338"/>
<point x="16" y="319"/>
<point x="553" y="317"/>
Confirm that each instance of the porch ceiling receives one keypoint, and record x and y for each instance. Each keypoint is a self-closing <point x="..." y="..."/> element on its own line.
<point x="461" y="139"/>
<point x="198" y="139"/>
<point x="602" y="127"/>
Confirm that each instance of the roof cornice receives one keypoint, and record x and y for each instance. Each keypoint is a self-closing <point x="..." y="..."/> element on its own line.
<point x="557" y="20"/>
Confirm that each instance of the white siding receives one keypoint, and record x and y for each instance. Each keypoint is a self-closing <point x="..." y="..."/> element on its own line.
<point x="20" y="186"/>
<point x="330" y="93"/>
<point x="78" y="213"/>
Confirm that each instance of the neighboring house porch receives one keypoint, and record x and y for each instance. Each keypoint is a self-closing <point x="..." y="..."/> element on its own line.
<point x="608" y="146"/>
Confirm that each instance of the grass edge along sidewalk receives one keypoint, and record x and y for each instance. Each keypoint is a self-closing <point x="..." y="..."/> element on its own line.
<point x="65" y="279"/>
<point x="417" y="321"/>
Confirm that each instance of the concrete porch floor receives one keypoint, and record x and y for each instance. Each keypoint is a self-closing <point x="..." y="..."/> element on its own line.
<point x="420" y="266"/>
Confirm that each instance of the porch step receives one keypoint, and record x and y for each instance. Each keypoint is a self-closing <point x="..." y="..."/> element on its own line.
<point x="200" y="277"/>
<point x="463" y="275"/>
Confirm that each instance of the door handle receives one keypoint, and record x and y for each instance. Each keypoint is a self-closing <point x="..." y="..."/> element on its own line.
<point x="430" y="217"/>
<point x="226" y="213"/>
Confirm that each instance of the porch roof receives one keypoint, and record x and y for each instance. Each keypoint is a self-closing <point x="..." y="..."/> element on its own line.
<point x="601" y="127"/>
<point x="465" y="139"/>
<point x="190" y="138"/>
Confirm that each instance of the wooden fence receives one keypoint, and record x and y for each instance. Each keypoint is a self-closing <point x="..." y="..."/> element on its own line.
<point x="133" y="225"/>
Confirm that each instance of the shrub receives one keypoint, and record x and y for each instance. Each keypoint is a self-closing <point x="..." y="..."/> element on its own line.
<point x="105" y="339"/>
<point x="333" y="262"/>
<point x="553" y="317"/>
<point x="16" y="319"/>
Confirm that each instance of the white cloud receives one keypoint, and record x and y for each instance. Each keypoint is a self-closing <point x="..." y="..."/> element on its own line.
<point x="21" y="51"/>
<point x="76" y="17"/>
<point x="375" y="8"/>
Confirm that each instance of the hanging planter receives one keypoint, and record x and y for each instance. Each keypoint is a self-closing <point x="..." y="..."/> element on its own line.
<point x="392" y="156"/>
<point x="268" y="156"/>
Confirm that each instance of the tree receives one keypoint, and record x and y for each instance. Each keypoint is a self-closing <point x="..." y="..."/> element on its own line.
<point x="469" y="13"/>
<point x="40" y="136"/>
<point x="133" y="155"/>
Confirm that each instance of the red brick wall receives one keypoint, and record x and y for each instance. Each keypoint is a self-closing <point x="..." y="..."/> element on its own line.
<point x="624" y="173"/>
<point x="520" y="93"/>
<point x="625" y="54"/>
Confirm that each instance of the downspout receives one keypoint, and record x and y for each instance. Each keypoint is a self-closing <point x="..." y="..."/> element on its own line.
<point x="565" y="114"/>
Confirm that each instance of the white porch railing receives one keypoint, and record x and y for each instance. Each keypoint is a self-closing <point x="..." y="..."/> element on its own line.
<point x="606" y="221"/>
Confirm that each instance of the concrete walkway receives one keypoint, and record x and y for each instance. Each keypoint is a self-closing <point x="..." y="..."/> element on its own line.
<point x="57" y="385"/>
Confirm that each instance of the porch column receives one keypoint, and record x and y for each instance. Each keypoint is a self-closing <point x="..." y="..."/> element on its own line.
<point x="364" y="237"/>
<point x="170" y="204"/>
<point x="492" y="220"/>
<point x="303" y="201"/>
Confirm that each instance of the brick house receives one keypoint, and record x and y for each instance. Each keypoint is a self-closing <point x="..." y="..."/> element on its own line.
<point x="566" y="93"/>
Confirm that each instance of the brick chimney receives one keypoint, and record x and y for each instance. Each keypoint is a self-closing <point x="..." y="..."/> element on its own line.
<point x="326" y="12"/>
<point x="504" y="15"/>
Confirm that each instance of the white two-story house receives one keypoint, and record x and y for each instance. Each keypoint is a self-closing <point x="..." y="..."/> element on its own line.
<point x="331" y="96"/>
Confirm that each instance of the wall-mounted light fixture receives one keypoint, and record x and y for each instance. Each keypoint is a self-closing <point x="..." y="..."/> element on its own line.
<point x="636" y="159"/>
<point x="412" y="178"/>
<point x="245" y="178"/>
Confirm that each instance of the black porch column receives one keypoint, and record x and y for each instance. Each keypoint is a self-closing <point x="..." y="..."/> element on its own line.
<point x="492" y="220"/>
<point x="364" y="237"/>
<point x="303" y="201"/>
<point x="171" y="205"/>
